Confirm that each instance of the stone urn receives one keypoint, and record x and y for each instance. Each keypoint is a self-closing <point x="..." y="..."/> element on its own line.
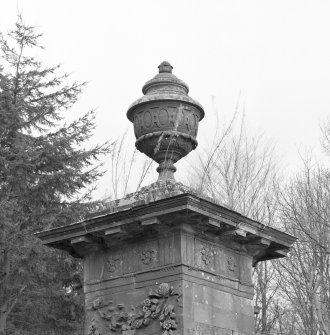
<point x="165" y="120"/>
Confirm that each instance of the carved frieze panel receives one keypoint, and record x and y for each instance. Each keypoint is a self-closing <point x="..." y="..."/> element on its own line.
<point x="166" y="117"/>
<point x="130" y="260"/>
<point x="213" y="258"/>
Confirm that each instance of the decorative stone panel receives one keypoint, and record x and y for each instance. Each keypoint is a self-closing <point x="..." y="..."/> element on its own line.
<point x="159" y="305"/>
<point x="173" y="116"/>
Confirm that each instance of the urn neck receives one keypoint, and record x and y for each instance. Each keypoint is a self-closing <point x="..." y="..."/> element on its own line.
<point x="166" y="170"/>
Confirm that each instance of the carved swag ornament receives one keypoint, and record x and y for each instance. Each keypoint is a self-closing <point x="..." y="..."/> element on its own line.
<point x="157" y="306"/>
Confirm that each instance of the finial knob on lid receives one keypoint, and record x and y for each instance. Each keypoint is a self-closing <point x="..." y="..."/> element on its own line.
<point x="165" y="120"/>
<point x="165" y="67"/>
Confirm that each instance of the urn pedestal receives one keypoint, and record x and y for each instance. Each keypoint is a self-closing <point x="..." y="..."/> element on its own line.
<point x="167" y="261"/>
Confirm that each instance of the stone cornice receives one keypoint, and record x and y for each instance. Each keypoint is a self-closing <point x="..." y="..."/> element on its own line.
<point x="184" y="211"/>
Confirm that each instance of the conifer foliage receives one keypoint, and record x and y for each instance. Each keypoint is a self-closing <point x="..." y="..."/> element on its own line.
<point x="44" y="172"/>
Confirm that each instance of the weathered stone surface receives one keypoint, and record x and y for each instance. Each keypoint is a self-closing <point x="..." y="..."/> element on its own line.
<point x="208" y="291"/>
<point x="165" y="120"/>
<point x="166" y="259"/>
<point x="175" y="238"/>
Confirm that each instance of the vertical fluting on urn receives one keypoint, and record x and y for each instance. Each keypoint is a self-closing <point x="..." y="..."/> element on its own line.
<point x="165" y="120"/>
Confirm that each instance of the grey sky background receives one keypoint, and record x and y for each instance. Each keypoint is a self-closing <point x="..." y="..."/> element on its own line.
<point x="271" y="55"/>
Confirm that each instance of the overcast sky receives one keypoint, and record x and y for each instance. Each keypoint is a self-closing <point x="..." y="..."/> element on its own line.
<point x="275" y="55"/>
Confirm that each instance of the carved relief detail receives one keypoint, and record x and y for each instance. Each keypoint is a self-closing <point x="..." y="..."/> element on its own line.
<point x="155" y="118"/>
<point x="157" y="306"/>
<point x="148" y="256"/>
<point x="231" y="263"/>
<point x="93" y="329"/>
<point x="206" y="255"/>
<point x="113" y="263"/>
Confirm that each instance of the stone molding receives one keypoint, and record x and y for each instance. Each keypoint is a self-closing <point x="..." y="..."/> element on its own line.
<point x="211" y="219"/>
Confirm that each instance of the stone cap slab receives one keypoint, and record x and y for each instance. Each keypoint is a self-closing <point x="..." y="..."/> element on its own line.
<point x="162" y="210"/>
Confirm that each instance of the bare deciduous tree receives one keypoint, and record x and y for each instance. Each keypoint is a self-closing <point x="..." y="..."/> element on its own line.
<point x="129" y="169"/>
<point x="305" y="211"/>
<point x="240" y="173"/>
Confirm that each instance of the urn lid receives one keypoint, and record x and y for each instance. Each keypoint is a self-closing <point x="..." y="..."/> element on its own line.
<point x="165" y="86"/>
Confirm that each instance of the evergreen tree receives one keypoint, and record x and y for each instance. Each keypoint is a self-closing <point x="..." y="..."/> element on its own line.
<point x="44" y="173"/>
